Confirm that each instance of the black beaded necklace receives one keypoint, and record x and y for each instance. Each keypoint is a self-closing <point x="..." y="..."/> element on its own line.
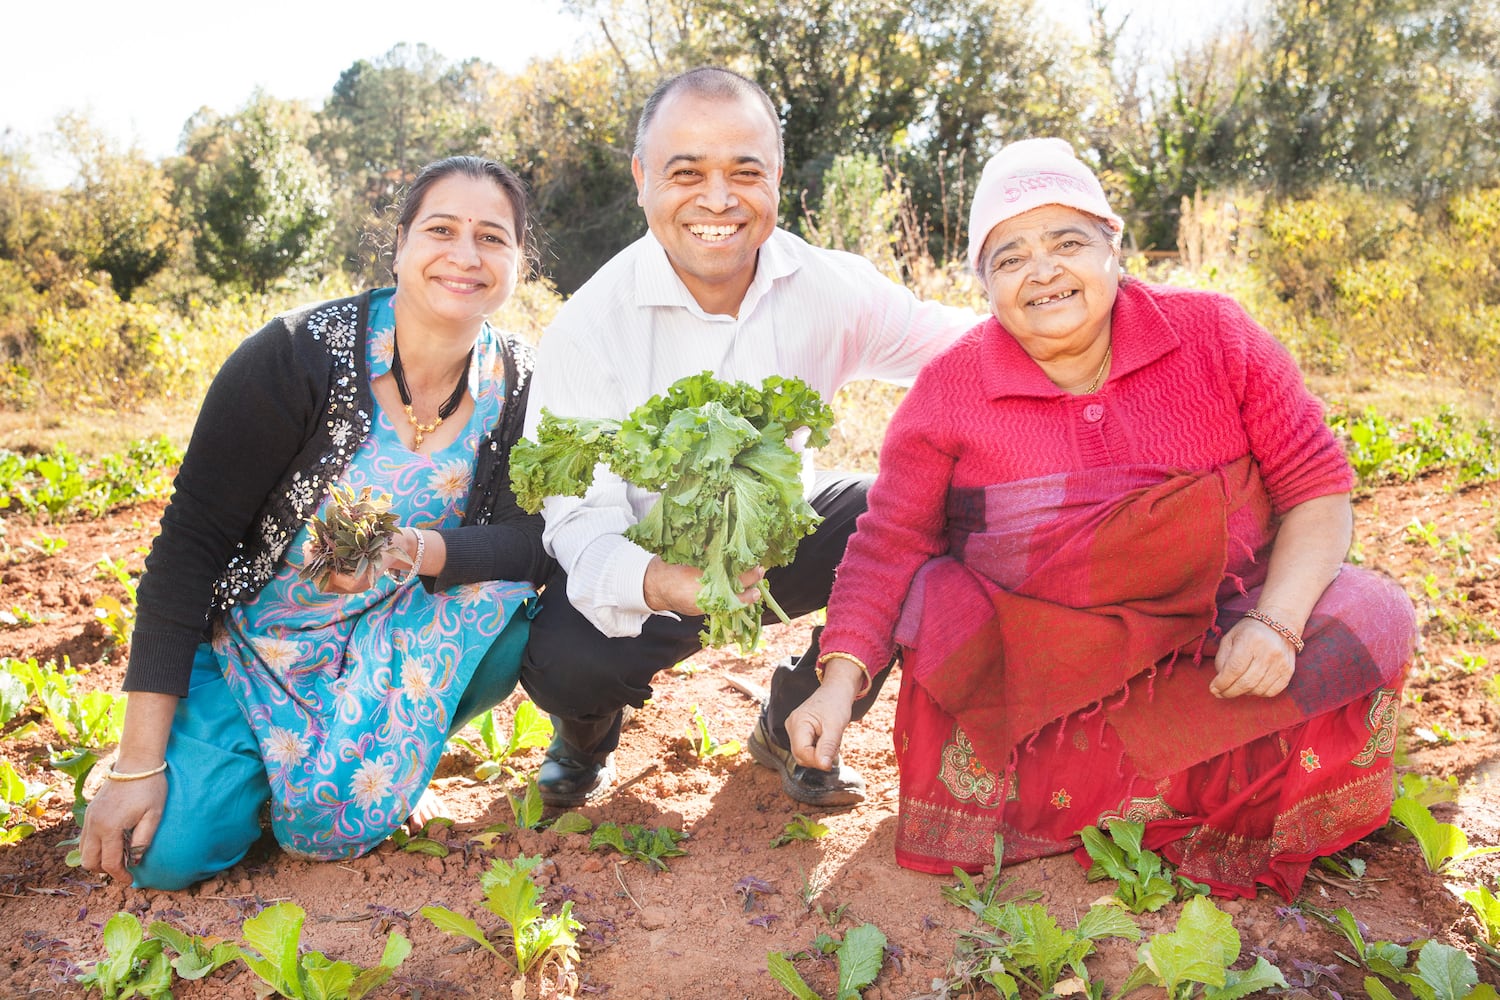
<point x="449" y="405"/>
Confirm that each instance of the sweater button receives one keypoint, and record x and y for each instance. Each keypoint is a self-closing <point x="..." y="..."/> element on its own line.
<point x="1094" y="412"/>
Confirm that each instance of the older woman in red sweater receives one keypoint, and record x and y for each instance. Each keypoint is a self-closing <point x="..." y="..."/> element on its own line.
<point x="1108" y="539"/>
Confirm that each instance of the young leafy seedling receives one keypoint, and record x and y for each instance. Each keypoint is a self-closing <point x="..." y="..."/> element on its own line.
<point x="1487" y="913"/>
<point x="636" y="841"/>
<point x="799" y="827"/>
<point x="1441" y="972"/>
<point x="1443" y="844"/>
<point x="423" y="842"/>
<point x="528" y="807"/>
<point x="1199" y="953"/>
<point x="705" y="745"/>
<point x="1027" y="947"/>
<point x="530" y="728"/>
<point x="860" y="956"/>
<point x="1144" y="883"/>
<point x="968" y="895"/>
<point x="197" y="957"/>
<point x="272" y="951"/>
<point x="135" y="965"/>
<point x="511" y="895"/>
<point x="20" y="802"/>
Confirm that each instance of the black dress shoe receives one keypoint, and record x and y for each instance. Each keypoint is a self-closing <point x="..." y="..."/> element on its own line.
<point x="840" y="786"/>
<point x="565" y="782"/>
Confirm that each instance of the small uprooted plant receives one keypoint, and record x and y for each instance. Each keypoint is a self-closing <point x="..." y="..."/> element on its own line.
<point x="351" y="536"/>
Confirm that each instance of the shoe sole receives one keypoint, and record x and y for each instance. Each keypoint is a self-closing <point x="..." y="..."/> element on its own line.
<point x="766" y="757"/>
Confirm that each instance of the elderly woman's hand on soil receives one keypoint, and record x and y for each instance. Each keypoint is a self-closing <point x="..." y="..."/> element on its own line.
<point x="1253" y="658"/>
<point x="816" y="727"/>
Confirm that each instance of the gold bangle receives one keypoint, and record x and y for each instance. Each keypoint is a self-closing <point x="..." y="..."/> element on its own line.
<point x="1277" y="627"/>
<point x="869" y="680"/>
<point x="113" y="775"/>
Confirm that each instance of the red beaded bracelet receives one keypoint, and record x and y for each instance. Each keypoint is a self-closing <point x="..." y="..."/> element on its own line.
<point x="1277" y="627"/>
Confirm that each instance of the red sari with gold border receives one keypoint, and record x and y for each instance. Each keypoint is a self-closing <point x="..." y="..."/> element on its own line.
<point x="1056" y="671"/>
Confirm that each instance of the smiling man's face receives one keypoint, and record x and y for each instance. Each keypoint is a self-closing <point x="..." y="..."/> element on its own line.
<point x="708" y="179"/>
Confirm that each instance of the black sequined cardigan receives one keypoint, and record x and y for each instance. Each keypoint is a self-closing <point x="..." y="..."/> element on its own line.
<point x="280" y="423"/>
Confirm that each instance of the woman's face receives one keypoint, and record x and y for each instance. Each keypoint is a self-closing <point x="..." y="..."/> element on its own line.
<point x="1052" y="276"/>
<point x="459" y="260"/>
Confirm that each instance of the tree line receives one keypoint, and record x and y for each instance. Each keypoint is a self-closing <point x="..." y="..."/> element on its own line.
<point x="1397" y="98"/>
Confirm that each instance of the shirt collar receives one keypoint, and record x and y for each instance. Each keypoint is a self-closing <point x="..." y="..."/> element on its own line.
<point x="1140" y="334"/>
<point x="657" y="284"/>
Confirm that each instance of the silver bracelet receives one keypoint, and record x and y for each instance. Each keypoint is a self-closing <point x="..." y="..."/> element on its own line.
<point x="416" y="561"/>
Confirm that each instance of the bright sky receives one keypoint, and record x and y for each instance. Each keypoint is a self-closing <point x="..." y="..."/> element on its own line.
<point x="140" y="69"/>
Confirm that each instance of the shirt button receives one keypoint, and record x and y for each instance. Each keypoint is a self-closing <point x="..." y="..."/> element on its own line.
<point x="1094" y="412"/>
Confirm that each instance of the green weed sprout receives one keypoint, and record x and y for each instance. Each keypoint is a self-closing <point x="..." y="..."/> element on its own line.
<point x="704" y="744"/>
<point x="799" y="827"/>
<point x="968" y="894"/>
<point x="860" y="956"/>
<point x="530" y="728"/>
<point x="135" y="965"/>
<point x="272" y="951"/>
<point x="511" y="895"/>
<point x="1199" y="953"/>
<point x="1443" y="844"/>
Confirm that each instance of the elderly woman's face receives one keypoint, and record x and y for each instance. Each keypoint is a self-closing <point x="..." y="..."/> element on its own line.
<point x="1052" y="275"/>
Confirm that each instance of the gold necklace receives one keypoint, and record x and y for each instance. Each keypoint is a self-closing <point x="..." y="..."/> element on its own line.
<point x="1099" y="375"/>
<point x="444" y="411"/>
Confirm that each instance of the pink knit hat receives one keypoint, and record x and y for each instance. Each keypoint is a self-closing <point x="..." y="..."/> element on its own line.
<point x="1028" y="174"/>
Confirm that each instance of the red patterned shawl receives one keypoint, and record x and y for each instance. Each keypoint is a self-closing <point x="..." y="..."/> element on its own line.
<point x="1106" y="590"/>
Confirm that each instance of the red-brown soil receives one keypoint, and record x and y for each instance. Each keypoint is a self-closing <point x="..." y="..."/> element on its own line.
<point x="688" y="933"/>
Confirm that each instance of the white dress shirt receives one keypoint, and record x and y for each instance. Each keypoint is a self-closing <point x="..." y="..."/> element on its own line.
<point x="823" y="316"/>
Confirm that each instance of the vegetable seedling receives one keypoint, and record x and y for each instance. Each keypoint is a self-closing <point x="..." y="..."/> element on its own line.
<point x="705" y="745"/>
<point x="1024" y="945"/>
<point x="1143" y="882"/>
<point x="272" y="951"/>
<point x="197" y="957"/>
<point x="530" y="728"/>
<point x="511" y="895"/>
<point x="1443" y="844"/>
<point x="636" y="841"/>
<point x="860" y="956"/>
<point x="1197" y="954"/>
<point x="799" y="827"/>
<point x="135" y="965"/>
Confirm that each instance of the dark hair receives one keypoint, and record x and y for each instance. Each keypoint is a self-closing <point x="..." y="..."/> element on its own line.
<point x="710" y="83"/>
<point x="478" y="168"/>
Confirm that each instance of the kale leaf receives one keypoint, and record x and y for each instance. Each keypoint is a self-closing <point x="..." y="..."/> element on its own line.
<point x="729" y="485"/>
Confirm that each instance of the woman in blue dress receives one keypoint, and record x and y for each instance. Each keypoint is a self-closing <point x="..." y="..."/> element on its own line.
<point x="250" y="685"/>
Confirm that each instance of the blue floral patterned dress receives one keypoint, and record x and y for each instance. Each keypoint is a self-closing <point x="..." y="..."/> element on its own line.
<point x="351" y="697"/>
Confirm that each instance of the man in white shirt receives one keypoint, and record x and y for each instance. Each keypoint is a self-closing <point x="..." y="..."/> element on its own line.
<point x="714" y="286"/>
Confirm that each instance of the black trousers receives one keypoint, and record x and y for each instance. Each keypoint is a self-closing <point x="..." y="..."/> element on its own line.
<point x="584" y="678"/>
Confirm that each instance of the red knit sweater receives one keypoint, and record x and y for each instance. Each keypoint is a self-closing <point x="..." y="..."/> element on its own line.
<point x="1194" y="384"/>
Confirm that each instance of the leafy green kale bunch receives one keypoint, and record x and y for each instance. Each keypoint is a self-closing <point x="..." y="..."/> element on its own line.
<point x="729" y="485"/>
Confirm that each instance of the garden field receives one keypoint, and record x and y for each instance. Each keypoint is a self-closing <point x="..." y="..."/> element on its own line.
<point x="702" y="923"/>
